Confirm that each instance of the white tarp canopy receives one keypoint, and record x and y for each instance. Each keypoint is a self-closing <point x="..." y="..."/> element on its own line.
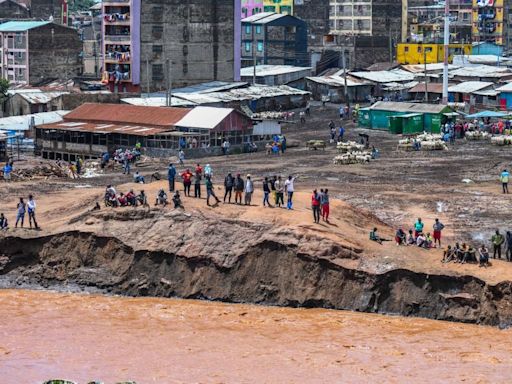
<point x="267" y="127"/>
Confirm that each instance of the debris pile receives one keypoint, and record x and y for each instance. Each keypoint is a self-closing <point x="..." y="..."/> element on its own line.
<point x="46" y="171"/>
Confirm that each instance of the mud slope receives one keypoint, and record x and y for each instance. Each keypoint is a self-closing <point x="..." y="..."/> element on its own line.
<point x="238" y="261"/>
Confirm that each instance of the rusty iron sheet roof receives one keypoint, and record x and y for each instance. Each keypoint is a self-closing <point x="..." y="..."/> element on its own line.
<point x="121" y="114"/>
<point x="102" y="128"/>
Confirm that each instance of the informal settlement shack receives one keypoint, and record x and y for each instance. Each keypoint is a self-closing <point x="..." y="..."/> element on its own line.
<point x="93" y="129"/>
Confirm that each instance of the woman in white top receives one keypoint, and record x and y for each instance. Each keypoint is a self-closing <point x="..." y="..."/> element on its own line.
<point x="290" y="188"/>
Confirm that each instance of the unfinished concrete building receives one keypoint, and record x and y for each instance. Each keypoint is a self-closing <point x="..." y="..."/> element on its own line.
<point x="185" y="42"/>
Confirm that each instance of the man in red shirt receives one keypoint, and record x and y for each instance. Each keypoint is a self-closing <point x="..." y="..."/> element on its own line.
<point x="199" y="169"/>
<point x="187" y="181"/>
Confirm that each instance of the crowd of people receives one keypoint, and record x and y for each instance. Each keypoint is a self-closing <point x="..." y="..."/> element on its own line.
<point x="277" y="146"/>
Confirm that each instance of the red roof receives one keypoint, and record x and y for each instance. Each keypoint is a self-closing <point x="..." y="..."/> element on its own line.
<point x="134" y="130"/>
<point x="127" y="114"/>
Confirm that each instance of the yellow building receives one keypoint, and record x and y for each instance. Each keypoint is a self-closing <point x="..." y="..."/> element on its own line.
<point x="416" y="53"/>
<point x="488" y="16"/>
<point x="278" y="6"/>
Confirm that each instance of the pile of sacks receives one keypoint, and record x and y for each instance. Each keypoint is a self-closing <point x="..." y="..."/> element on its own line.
<point x="501" y="140"/>
<point x="427" y="141"/>
<point x="45" y="171"/>
<point x="349" y="146"/>
<point x="357" y="157"/>
<point x="477" y="135"/>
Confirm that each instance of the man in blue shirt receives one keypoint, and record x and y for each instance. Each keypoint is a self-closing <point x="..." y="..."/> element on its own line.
<point x="171" y="175"/>
<point x="7" y="172"/>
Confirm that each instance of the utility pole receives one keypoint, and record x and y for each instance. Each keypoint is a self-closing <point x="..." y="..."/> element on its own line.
<point x="446" y="49"/>
<point x="345" y="77"/>
<point x="168" y="67"/>
<point x="253" y="54"/>
<point x="147" y="74"/>
<point x="425" y="68"/>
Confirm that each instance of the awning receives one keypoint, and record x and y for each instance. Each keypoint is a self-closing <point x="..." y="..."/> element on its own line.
<point x="483" y="114"/>
<point x="451" y="114"/>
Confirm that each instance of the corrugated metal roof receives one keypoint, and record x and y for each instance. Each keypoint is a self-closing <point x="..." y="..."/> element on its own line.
<point x="482" y="71"/>
<point x="212" y="86"/>
<point x="133" y="130"/>
<point x="128" y="114"/>
<point x="156" y="102"/>
<point x="469" y="86"/>
<point x="39" y="97"/>
<point x="263" y="18"/>
<point x="21" y="26"/>
<point x="338" y="81"/>
<point x="204" y="117"/>
<point x="432" y="67"/>
<point x="408" y="107"/>
<point x="272" y="70"/>
<point x="22" y="123"/>
<point x="505" y="88"/>
<point x="431" y="87"/>
<point x="395" y="75"/>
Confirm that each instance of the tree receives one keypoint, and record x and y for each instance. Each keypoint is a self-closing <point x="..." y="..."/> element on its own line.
<point x="4" y="87"/>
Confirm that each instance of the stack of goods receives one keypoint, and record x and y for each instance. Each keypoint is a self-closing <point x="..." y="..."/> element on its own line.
<point x="501" y="140"/>
<point x="425" y="142"/>
<point x="477" y="135"/>
<point x="349" y="146"/>
<point x="353" y="158"/>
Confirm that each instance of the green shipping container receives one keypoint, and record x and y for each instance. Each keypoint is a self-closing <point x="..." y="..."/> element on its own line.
<point x="364" y="118"/>
<point x="395" y="125"/>
<point x="412" y="123"/>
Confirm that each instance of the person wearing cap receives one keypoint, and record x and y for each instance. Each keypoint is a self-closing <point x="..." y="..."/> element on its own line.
<point x="249" y="189"/>
<point x="239" y="188"/>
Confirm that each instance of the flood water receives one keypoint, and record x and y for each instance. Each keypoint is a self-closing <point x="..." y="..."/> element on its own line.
<point x="84" y="337"/>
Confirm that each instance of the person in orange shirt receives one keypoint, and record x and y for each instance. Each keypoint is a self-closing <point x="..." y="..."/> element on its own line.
<point x="187" y="181"/>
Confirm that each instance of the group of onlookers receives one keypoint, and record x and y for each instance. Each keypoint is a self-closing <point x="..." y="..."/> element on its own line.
<point x="22" y="209"/>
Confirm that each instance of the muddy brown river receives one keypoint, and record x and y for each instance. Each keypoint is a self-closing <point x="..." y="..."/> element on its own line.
<point x="84" y="337"/>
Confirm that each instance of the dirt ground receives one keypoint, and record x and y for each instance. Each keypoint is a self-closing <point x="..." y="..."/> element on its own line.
<point x="391" y="191"/>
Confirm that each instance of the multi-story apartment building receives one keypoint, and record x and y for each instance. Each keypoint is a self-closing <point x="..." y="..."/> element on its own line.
<point x="490" y="21"/>
<point x="367" y="29"/>
<point x="33" y="52"/>
<point x="121" y="44"/>
<point x="275" y="39"/>
<point x="252" y="7"/>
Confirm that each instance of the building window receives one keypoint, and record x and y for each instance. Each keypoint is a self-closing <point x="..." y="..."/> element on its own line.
<point x="157" y="49"/>
<point x="419" y="49"/>
<point x="158" y="72"/>
<point x="247" y="29"/>
<point x="258" y="29"/>
<point x="247" y="47"/>
<point x="406" y="49"/>
<point x="260" y="46"/>
<point x="157" y="31"/>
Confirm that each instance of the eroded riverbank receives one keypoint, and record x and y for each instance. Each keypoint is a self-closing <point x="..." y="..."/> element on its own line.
<point x="151" y="340"/>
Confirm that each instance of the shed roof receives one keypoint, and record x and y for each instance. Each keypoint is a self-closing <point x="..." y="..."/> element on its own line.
<point x="408" y="107"/>
<point x="156" y="102"/>
<point x="38" y="96"/>
<point x="272" y="70"/>
<point x="431" y="88"/>
<point x="482" y="71"/>
<point x="263" y="18"/>
<point x="21" y="26"/>
<point x="469" y="86"/>
<point x="505" y="88"/>
<point x="395" y="75"/>
<point x="204" y="117"/>
<point x="102" y="128"/>
<point x="128" y="114"/>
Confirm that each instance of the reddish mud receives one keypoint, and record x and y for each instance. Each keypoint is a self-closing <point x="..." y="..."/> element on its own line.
<point x="83" y="337"/>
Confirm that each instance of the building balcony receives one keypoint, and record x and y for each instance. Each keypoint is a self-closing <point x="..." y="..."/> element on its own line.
<point x="117" y="39"/>
<point x="115" y="2"/>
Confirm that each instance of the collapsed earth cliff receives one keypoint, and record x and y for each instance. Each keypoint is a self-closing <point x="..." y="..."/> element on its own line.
<point x="191" y="255"/>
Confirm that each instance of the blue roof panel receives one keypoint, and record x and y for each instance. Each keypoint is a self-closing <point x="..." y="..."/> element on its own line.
<point x="21" y="26"/>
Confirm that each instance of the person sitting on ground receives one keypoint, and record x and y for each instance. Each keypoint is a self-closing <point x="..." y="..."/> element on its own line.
<point x="411" y="240"/>
<point x="400" y="237"/>
<point x="155" y="176"/>
<point x="142" y="199"/>
<point x="3" y="222"/>
<point x="176" y="199"/>
<point x="375" y="237"/>
<point x="448" y="255"/>
<point x="110" y="197"/>
<point x="469" y="255"/>
<point x="421" y="240"/>
<point x="138" y="178"/>
<point x="161" y="198"/>
<point x="484" y="256"/>
<point x="131" y="198"/>
<point x="123" y="202"/>
<point x="460" y="251"/>
<point x="429" y="241"/>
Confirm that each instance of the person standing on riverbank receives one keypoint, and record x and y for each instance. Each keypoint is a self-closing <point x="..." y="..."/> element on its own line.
<point x="249" y="190"/>
<point x="504" y="177"/>
<point x="438" y="227"/>
<point x="20" y="215"/>
<point x="266" y="192"/>
<point x="31" y="206"/>
<point x="497" y="241"/>
<point x="210" y="191"/>
<point x="239" y="189"/>
<point x="324" y="205"/>
<point x="171" y="176"/>
<point x="315" y="206"/>
<point x="290" y="188"/>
